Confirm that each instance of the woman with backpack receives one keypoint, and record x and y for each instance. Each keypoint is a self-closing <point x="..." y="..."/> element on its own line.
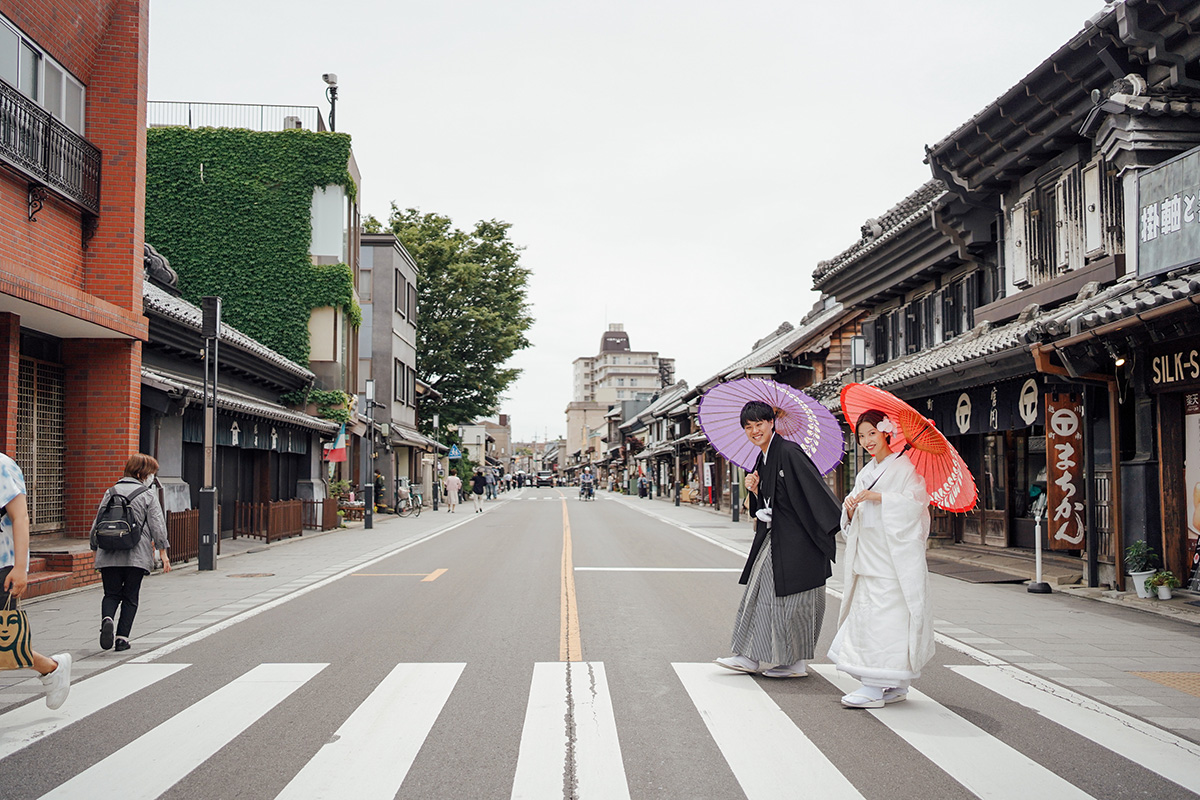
<point x="129" y="525"/>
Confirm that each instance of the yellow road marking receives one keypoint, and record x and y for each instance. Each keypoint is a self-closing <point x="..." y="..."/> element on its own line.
<point x="569" y="648"/>
<point x="424" y="576"/>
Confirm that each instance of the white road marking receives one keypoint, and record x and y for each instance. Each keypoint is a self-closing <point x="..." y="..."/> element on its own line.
<point x="763" y="747"/>
<point x="23" y="726"/>
<point x="1172" y="757"/>
<point x="546" y="749"/>
<point x="154" y="762"/>
<point x="979" y="761"/>
<point x="655" y="569"/>
<point x="374" y="749"/>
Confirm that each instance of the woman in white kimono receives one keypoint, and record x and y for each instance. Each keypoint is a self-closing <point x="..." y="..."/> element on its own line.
<point x="885" y="627"/>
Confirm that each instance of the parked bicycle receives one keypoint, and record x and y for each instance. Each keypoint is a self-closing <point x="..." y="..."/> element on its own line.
<point x="409" y="503"/>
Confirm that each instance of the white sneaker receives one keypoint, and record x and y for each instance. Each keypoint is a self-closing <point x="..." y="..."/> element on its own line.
<point x="58" y="682"/>
<point x="738" y="663"/>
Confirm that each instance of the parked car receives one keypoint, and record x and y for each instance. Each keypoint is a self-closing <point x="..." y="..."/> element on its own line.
<point x="545" y="479"/>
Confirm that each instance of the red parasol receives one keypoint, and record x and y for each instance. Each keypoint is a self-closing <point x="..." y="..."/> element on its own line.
<point x="950" y="484"/>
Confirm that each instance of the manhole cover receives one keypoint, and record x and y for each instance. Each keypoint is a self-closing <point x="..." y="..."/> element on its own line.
<point x="253" y="575"/>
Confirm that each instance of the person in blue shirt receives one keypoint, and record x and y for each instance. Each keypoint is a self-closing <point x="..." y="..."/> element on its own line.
<point x="14" y="574"/>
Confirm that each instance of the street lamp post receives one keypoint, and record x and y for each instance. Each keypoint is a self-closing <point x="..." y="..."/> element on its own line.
<point x="368" y="461"/>
<point x="858" y="361"/>
<point x="210" y="527"/>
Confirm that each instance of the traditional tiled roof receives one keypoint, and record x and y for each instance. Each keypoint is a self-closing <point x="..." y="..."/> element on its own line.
<point x="157" y="301"/>
<point x="231" y="400"/>
<point x="1123" y="300"/>
<point x="1173" y="105"/>
<point x="770" y="349"/>
<point x="877" y="232"/>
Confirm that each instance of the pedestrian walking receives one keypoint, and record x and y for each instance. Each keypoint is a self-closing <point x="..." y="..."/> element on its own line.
<point x="122" y="571"/>
<point x="885" y="626"/>
<point x="779" y="619"/>
<point x="453" y="487"/>
<point x="55" y="672"/>
<point x="490" y="486"/>
<point x="478" y="487"/>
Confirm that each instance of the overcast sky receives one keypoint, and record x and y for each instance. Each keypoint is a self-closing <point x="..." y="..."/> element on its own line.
<point x="676" y="166"/>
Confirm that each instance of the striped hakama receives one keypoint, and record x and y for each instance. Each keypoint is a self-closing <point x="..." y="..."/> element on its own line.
<point x="776" y="630"/>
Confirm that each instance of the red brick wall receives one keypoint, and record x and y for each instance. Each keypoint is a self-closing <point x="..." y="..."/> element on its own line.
<point x="103" y="394"/>
<point x="103" y="43"/>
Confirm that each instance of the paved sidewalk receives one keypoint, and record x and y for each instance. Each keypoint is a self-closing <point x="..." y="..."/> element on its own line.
<point x="1144" y="664"/>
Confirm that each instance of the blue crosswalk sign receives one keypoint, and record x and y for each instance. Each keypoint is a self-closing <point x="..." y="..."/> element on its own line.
<point x="454" y="452"/>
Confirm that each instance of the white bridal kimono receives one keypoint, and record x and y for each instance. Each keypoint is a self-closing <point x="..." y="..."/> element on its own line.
<point x="885" y="626"/>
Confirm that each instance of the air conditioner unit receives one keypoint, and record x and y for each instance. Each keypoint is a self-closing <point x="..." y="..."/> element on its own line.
<point x="292" y="122"/>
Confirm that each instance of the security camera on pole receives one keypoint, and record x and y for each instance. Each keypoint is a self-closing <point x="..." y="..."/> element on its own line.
<point x="330" y="79"/>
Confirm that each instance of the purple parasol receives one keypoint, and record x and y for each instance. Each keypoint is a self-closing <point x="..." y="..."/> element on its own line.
<point x="799" y="418"/>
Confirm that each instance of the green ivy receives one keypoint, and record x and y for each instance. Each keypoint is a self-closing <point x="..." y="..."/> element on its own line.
<point x="231" y="209"/>
<point x="332" y="404"/>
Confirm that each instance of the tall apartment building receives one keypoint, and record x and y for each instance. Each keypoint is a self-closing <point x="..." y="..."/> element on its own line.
<point x="617" y="372"/>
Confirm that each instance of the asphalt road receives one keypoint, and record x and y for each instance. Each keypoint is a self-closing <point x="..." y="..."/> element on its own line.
<point x="546" y="648"/>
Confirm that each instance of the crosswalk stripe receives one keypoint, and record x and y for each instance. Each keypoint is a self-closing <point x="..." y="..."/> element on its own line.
<point x="160" y="758"/>
<point x="23" y="726"/>
<point x="374" y="749"/>
<point x="560" y="694"/>
<point x="1157" y="750"/>
<point x="762" y="745"/>
<point x="982" y="763"/>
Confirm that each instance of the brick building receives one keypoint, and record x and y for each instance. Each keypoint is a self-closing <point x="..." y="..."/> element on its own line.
<point x="72" y="175"/>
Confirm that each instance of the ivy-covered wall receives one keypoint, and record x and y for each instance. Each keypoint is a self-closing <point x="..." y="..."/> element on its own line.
<point x="231" y="210"/>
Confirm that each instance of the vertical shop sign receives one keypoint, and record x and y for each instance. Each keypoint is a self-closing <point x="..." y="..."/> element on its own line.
<point x="1191" y="480"/>
<point x="1064" y="467"/>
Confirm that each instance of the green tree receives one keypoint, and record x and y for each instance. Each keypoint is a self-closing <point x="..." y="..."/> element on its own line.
<point x="473" y="311"/>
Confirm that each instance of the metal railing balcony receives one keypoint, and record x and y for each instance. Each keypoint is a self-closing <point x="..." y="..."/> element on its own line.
<point x="39" y="147"/>
<point x="163" y="114"/>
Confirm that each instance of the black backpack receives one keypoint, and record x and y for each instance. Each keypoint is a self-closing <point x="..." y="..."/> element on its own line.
<point x="117" y="527"/>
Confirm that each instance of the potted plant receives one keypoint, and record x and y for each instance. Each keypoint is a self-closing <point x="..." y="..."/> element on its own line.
<point x="1163" y="582"/>
<point x="1139" y="562"/>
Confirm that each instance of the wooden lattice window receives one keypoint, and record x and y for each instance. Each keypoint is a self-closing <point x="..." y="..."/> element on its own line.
<point x="40" y="442"/>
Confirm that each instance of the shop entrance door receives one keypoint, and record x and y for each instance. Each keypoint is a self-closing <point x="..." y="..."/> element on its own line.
<point x="993" y="491"/>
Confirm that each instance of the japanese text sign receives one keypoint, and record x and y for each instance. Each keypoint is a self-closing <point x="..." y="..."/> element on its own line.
<point x="1168" y="233"/>
<point x="1064" y="471"/>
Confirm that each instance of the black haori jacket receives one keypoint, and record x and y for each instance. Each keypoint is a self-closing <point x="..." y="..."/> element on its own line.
<point x="805" y="519"/>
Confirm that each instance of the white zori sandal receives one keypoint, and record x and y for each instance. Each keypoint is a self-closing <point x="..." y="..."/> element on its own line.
<point x="860" y="698"/>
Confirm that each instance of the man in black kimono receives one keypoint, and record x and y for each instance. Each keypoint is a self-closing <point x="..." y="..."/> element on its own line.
<point x="780" y="616"/>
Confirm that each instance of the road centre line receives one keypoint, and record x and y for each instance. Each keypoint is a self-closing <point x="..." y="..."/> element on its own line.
<point x="171" y="647"/>
<point x="569" y="648"/>
<point x="158" y="759"/>
<point x="656" y="569"/>
<point x="375" y="747"/>
<point x="1129" y="737"/>
<point x="983" y="764"/>
<point x="31" y="722"/>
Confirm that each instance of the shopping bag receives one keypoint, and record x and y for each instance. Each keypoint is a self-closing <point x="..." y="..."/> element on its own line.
<point x="16" y="648"/>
